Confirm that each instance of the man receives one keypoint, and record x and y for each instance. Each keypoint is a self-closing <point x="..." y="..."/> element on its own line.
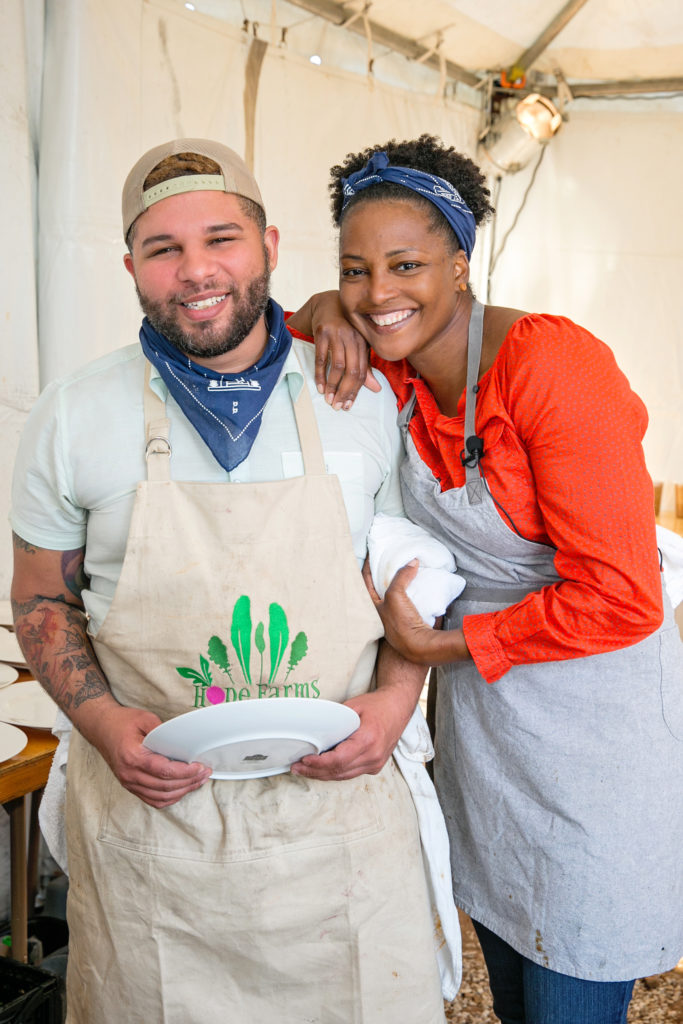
<point x="174" y="527"/>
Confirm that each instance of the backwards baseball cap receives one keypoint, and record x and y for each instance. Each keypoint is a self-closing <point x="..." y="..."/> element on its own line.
<point x="235" y="177"/>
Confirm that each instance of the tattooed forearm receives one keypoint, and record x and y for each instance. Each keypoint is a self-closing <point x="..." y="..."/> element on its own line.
<point x="50" y="622"/>
<point x="20" y="608"/>
<point x="52" y="634"/>
<point x="42" y="623"/>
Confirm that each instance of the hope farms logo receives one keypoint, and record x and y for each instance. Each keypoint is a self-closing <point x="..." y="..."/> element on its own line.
<point x="210" y="690"/>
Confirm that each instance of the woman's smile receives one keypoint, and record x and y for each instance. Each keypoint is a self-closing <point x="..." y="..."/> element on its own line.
<point x="391" y="320"/>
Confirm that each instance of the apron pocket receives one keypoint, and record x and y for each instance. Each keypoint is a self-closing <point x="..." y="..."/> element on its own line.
<point x="242" y="820"/>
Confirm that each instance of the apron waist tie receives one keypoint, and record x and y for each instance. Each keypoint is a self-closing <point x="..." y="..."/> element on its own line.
<point x="497" y="595"/>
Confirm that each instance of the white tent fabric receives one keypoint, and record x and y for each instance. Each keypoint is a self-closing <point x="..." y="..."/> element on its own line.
<point x="611" y="39"/>
<point x="597" y="242"/>
<point x="597" y="39"/>
<point x="598" y="238"/>
<point x="18" y="307"/>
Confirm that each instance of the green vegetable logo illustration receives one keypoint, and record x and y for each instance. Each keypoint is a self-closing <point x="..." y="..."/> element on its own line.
<point x="240" y="633"/>
<point x="299" y="650"/>
<point x="278" y="635"/>
<point x="260" y="645"/>
<point x="203" y="677"/>
<point x="240" y="639"/>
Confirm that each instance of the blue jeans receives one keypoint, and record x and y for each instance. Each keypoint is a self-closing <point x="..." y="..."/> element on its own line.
<point x="526" y="993"/>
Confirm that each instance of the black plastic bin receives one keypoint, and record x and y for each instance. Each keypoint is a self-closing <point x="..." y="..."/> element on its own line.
<point x="29" y="995"/>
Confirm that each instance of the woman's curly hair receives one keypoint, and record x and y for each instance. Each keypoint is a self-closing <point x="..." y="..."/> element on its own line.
<point x="428" y="154"/>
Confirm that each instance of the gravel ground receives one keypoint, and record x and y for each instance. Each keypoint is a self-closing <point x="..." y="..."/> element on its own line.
<point x="657" y="1000"/>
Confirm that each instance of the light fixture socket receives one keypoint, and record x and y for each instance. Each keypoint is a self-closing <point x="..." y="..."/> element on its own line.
<point x="514" y="138"/>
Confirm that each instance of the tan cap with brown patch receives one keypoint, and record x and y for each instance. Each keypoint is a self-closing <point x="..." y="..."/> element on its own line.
<point x="235" y="177"/>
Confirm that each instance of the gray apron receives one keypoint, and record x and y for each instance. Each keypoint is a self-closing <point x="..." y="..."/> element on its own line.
<point x="561" y="783"/>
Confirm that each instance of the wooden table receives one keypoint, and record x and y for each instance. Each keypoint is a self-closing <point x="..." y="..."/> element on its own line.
<point x="671" y="522"/>
<point x="26" y="773"/>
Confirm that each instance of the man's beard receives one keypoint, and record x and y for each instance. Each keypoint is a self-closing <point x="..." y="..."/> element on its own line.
<point x="208" y="339"/>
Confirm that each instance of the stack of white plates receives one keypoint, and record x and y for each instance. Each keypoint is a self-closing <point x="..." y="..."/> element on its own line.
<point x="12" y="741"/>
<point x="27" y="704"/>
<point x="8" y="674"/>
<point x="10" y="650"/>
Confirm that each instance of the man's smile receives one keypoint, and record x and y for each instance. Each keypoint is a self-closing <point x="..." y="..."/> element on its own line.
<point x="205" y="303"/>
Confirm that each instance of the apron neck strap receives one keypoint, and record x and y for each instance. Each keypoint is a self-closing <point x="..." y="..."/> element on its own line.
<point x="157" y="429"/>
<point x="309" y="435"/>
<point x="473" y="480"/>
<point x="158" y="426"/>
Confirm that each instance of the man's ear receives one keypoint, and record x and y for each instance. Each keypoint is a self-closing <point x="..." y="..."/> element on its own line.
<point x="128" y="264"/>
<point x="271" y="240"/>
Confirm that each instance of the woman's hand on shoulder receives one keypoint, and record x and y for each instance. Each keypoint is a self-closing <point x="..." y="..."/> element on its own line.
<point x="341" y="354"/>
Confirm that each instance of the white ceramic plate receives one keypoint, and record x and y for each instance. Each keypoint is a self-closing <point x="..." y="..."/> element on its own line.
<point x="27" y="704"/>
<point x="12" y="741"/>
<point x="10" y="650"/>
<point x="6" y="613"/>
<point x="7" y="674"/>
<point x="252" y="738"/>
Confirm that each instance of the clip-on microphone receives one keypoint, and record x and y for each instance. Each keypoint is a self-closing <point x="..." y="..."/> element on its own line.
<point x="473" y="451"/>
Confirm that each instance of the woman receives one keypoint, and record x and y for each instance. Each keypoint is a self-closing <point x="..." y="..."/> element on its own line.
<point x="561" y="782"/>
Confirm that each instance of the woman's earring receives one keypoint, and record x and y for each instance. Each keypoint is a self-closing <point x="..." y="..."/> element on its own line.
<point x="463" y="286"/>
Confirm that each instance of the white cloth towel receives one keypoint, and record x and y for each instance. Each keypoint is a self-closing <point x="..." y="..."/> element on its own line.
<point x="392" y="543"/>
<point x="413" y="750"/>
<point x="51" y="814"/>
<point x="671" y="546"/>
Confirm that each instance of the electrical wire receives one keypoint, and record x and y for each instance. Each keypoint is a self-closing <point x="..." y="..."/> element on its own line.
<point x="518" y="214"/>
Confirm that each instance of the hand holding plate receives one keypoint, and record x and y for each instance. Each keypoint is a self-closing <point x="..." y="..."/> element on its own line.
<point x="153" y="778"/>
<point x="382" y="720"/>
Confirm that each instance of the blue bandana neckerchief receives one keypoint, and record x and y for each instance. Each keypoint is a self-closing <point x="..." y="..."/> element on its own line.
<point x="437" y="190"/>
<point x="225" y="409"/>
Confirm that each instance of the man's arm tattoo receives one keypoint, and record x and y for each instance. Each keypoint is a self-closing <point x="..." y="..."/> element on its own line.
<point x="23" y="545"/>
<point x="53" y="637"/>
<point x="93" y="686"/>
<point x="73" y="572"/>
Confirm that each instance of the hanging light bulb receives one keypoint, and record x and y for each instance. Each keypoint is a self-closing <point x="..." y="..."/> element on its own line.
<point x="512" y="141"/>
<point x="538" y="116"/>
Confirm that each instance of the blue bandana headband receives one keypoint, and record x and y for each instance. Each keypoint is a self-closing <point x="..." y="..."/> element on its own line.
<point x="437" y="190"/>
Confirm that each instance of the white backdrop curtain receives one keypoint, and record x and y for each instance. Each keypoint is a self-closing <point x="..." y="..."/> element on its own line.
<point x="20" y="27"/>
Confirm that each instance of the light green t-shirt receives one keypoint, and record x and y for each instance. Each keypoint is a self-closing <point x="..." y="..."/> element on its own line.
<point x="82" y="454"/>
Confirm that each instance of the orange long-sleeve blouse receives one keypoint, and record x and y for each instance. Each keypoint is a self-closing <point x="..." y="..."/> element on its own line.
<point x="562" y="434"/>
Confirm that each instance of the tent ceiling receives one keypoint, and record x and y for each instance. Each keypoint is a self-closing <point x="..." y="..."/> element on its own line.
<point x="600" y="47"/>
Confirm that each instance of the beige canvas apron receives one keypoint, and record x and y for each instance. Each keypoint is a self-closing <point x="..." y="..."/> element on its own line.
<point x="278" y="898"/>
